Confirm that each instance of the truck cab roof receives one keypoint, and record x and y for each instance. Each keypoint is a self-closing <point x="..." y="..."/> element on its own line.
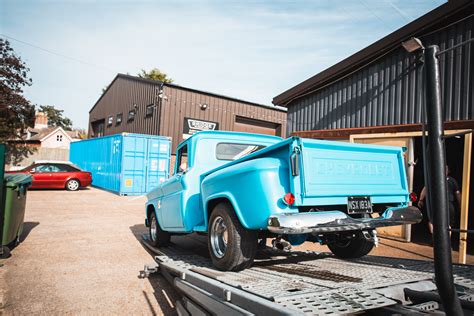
<point x="228" y="135"/>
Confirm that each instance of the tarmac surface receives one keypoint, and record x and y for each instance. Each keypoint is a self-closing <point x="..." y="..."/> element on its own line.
<point x="81" y="254"/>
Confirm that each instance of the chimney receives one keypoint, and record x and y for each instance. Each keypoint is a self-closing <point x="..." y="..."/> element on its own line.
<point x="41" y="120"/>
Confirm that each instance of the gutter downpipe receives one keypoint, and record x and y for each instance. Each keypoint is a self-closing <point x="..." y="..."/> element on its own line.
<point x="436" y="184"/>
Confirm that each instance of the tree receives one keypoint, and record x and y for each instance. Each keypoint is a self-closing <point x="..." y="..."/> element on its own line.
<point x="16" y="112"/>
<point x="155" y="74"/>
<point x="55" y="117"/>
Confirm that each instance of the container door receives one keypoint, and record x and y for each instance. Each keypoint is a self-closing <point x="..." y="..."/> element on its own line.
<point x="158" y="156"/>
<point x="134" y="165"/>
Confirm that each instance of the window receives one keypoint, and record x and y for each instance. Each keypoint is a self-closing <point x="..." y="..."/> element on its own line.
<point x="66" y="168"/>
<point x="110" y="120"/>
<point x="118" y="120"/>
<point x="149" y="110"/>
<point x="182" y="160"/>
<point x="59" y="138"/>
<point x="46" y="168"/>
<point x="131" y="115"/>
<point x="233" y="151"/>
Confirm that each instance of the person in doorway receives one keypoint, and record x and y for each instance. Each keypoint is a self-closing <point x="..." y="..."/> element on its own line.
<point x="454" y="201"/>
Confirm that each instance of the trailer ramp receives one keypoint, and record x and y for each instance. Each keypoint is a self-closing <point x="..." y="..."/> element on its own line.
<point x="295" y="282"/>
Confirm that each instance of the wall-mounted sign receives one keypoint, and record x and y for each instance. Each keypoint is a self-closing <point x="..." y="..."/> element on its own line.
<point x="192" y="126"/>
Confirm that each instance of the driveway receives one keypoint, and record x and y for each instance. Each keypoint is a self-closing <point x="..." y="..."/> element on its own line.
<point x="81" y="255"/>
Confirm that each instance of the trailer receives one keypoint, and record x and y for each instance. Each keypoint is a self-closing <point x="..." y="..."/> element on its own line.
<point x="305" y="283"/>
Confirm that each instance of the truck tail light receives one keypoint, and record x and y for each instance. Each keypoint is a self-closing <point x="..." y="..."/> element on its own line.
<point x="413" y="197"/>
<point x="289" y="199"/>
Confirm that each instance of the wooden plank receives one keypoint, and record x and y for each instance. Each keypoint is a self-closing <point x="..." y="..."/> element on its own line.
<point x="466" y="170"/>
<point x="346" y="132"/>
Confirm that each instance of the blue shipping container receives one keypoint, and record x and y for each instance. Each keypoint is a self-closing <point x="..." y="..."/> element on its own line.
<point x="128" y="164"/>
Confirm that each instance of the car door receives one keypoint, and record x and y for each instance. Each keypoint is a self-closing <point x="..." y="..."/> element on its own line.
<point x="59" y="175"/>
<point x="172" y="203"/>
<point x="41" y="176"/>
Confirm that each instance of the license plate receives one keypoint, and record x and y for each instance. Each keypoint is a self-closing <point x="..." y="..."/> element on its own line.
<point x="359" y="205"/>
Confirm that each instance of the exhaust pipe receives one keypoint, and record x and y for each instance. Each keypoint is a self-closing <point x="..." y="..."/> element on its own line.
<point x="281" y="245"/>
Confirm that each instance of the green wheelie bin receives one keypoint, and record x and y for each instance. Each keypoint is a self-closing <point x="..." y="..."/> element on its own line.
<point x="15" y="187"/>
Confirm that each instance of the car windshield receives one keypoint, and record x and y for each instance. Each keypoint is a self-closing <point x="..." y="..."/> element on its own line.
<point x="234" y="151"/>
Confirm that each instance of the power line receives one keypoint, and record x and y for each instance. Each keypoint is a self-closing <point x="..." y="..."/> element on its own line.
<point x="373" y="12"/>
<point x="400" y="12"/>
<point x="59" y="54"/>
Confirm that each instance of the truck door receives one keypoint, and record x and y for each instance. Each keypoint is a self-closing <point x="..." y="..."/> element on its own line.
<point x="172" y="203"/>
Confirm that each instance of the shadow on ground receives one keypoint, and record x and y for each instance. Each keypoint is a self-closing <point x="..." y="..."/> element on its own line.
<point x="27" y="228"/>
<point x="164" y="293"/>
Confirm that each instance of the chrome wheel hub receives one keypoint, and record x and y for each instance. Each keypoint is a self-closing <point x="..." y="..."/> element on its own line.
<point x="153" y="229"/>
<point x="73" y="185"/>
<point x="219" y="237"/>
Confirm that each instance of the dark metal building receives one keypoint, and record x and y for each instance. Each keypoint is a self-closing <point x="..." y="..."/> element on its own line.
<point x="137" y="105"/>
<point x="376" y="96"/>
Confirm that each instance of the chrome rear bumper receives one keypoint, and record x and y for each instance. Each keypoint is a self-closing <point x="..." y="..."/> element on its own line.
<point x="337" y="221"/>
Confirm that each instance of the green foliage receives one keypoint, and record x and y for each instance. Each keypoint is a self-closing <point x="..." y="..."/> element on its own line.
<point x="56" y="118"/>
<point x="16" y="112"/>
<point x="155" y="74"/>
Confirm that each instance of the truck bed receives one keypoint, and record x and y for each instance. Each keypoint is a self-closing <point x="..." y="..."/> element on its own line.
<point x="291" y="282"/>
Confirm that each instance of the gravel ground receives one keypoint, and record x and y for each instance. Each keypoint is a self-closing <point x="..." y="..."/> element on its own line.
<point x="81" y="254"/>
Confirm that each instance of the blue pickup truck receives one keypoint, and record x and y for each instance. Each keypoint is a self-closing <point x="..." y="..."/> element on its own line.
<point x="242" y="188"/>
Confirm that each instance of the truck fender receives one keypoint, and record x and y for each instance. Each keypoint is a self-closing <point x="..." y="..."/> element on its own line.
<point x="150" y="207"/>
<point x="223" y="196"/>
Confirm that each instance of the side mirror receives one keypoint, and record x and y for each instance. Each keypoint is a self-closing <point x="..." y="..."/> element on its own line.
<point x="32" y="170"/>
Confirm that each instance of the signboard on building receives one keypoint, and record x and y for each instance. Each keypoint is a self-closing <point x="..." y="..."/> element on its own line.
<point x="192" y="126"/>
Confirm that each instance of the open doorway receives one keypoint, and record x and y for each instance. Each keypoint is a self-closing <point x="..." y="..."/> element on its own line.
<point x="454" y="159"/>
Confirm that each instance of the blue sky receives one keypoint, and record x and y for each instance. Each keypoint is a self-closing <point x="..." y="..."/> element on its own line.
<point x="252" y="50"/>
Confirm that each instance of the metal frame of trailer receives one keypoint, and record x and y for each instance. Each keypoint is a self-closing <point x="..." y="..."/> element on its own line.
<point x="299" y="283"/>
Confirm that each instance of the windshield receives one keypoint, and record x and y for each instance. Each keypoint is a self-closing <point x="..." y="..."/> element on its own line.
<point x="233" y="151"/>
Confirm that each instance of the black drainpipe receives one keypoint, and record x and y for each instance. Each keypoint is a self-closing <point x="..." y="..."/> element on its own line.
<point x="436" y="184"/>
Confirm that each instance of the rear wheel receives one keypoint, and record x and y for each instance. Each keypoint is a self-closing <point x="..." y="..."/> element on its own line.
<point x="356" y="247"/>
<point x="158" y="237"/>
<point x="231" y="246"/>
<point x="73" y="185"/>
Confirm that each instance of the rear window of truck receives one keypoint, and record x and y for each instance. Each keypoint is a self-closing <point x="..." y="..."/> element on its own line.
<point x="234" y="151"/>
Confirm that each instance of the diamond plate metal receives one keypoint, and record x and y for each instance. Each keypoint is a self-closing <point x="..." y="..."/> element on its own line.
<point x="262" y="284"/>
<point x="335" y="273"/>
<point x="186" y="262"/>
<point x="464" y="276"/>
<point x="339" y="302"/>
<point x="317" y="283"/>
<point x="426" y="307"/>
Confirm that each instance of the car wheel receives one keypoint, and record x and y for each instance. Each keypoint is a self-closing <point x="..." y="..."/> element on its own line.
<point x="73" y="185"/>
<point x="158" y="237"/>
<point x="356" y="247"/>
<point x="231" y="246"/>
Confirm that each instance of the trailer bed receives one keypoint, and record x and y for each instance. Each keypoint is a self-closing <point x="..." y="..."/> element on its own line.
<point x="295" y="282"/>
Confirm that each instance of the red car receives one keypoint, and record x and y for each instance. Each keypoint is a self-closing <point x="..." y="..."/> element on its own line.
<point x="56" y="175"/>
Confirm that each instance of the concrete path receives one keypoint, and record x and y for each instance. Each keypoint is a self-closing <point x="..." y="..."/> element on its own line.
<point x="81" y="255"/>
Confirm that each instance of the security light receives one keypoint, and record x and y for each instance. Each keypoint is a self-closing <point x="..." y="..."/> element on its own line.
<point x="412" y="45"/>
<point x="203" y="106"/>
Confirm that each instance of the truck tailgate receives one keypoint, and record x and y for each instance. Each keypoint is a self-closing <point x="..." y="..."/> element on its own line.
<point x="333" y="171"/>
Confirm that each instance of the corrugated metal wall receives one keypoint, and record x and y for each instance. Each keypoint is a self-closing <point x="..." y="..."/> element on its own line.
<point x="178" y="104"/>
<point x="389" y="91"/>
<point x="120" y="98"/>
<point x="182" y="103"/>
